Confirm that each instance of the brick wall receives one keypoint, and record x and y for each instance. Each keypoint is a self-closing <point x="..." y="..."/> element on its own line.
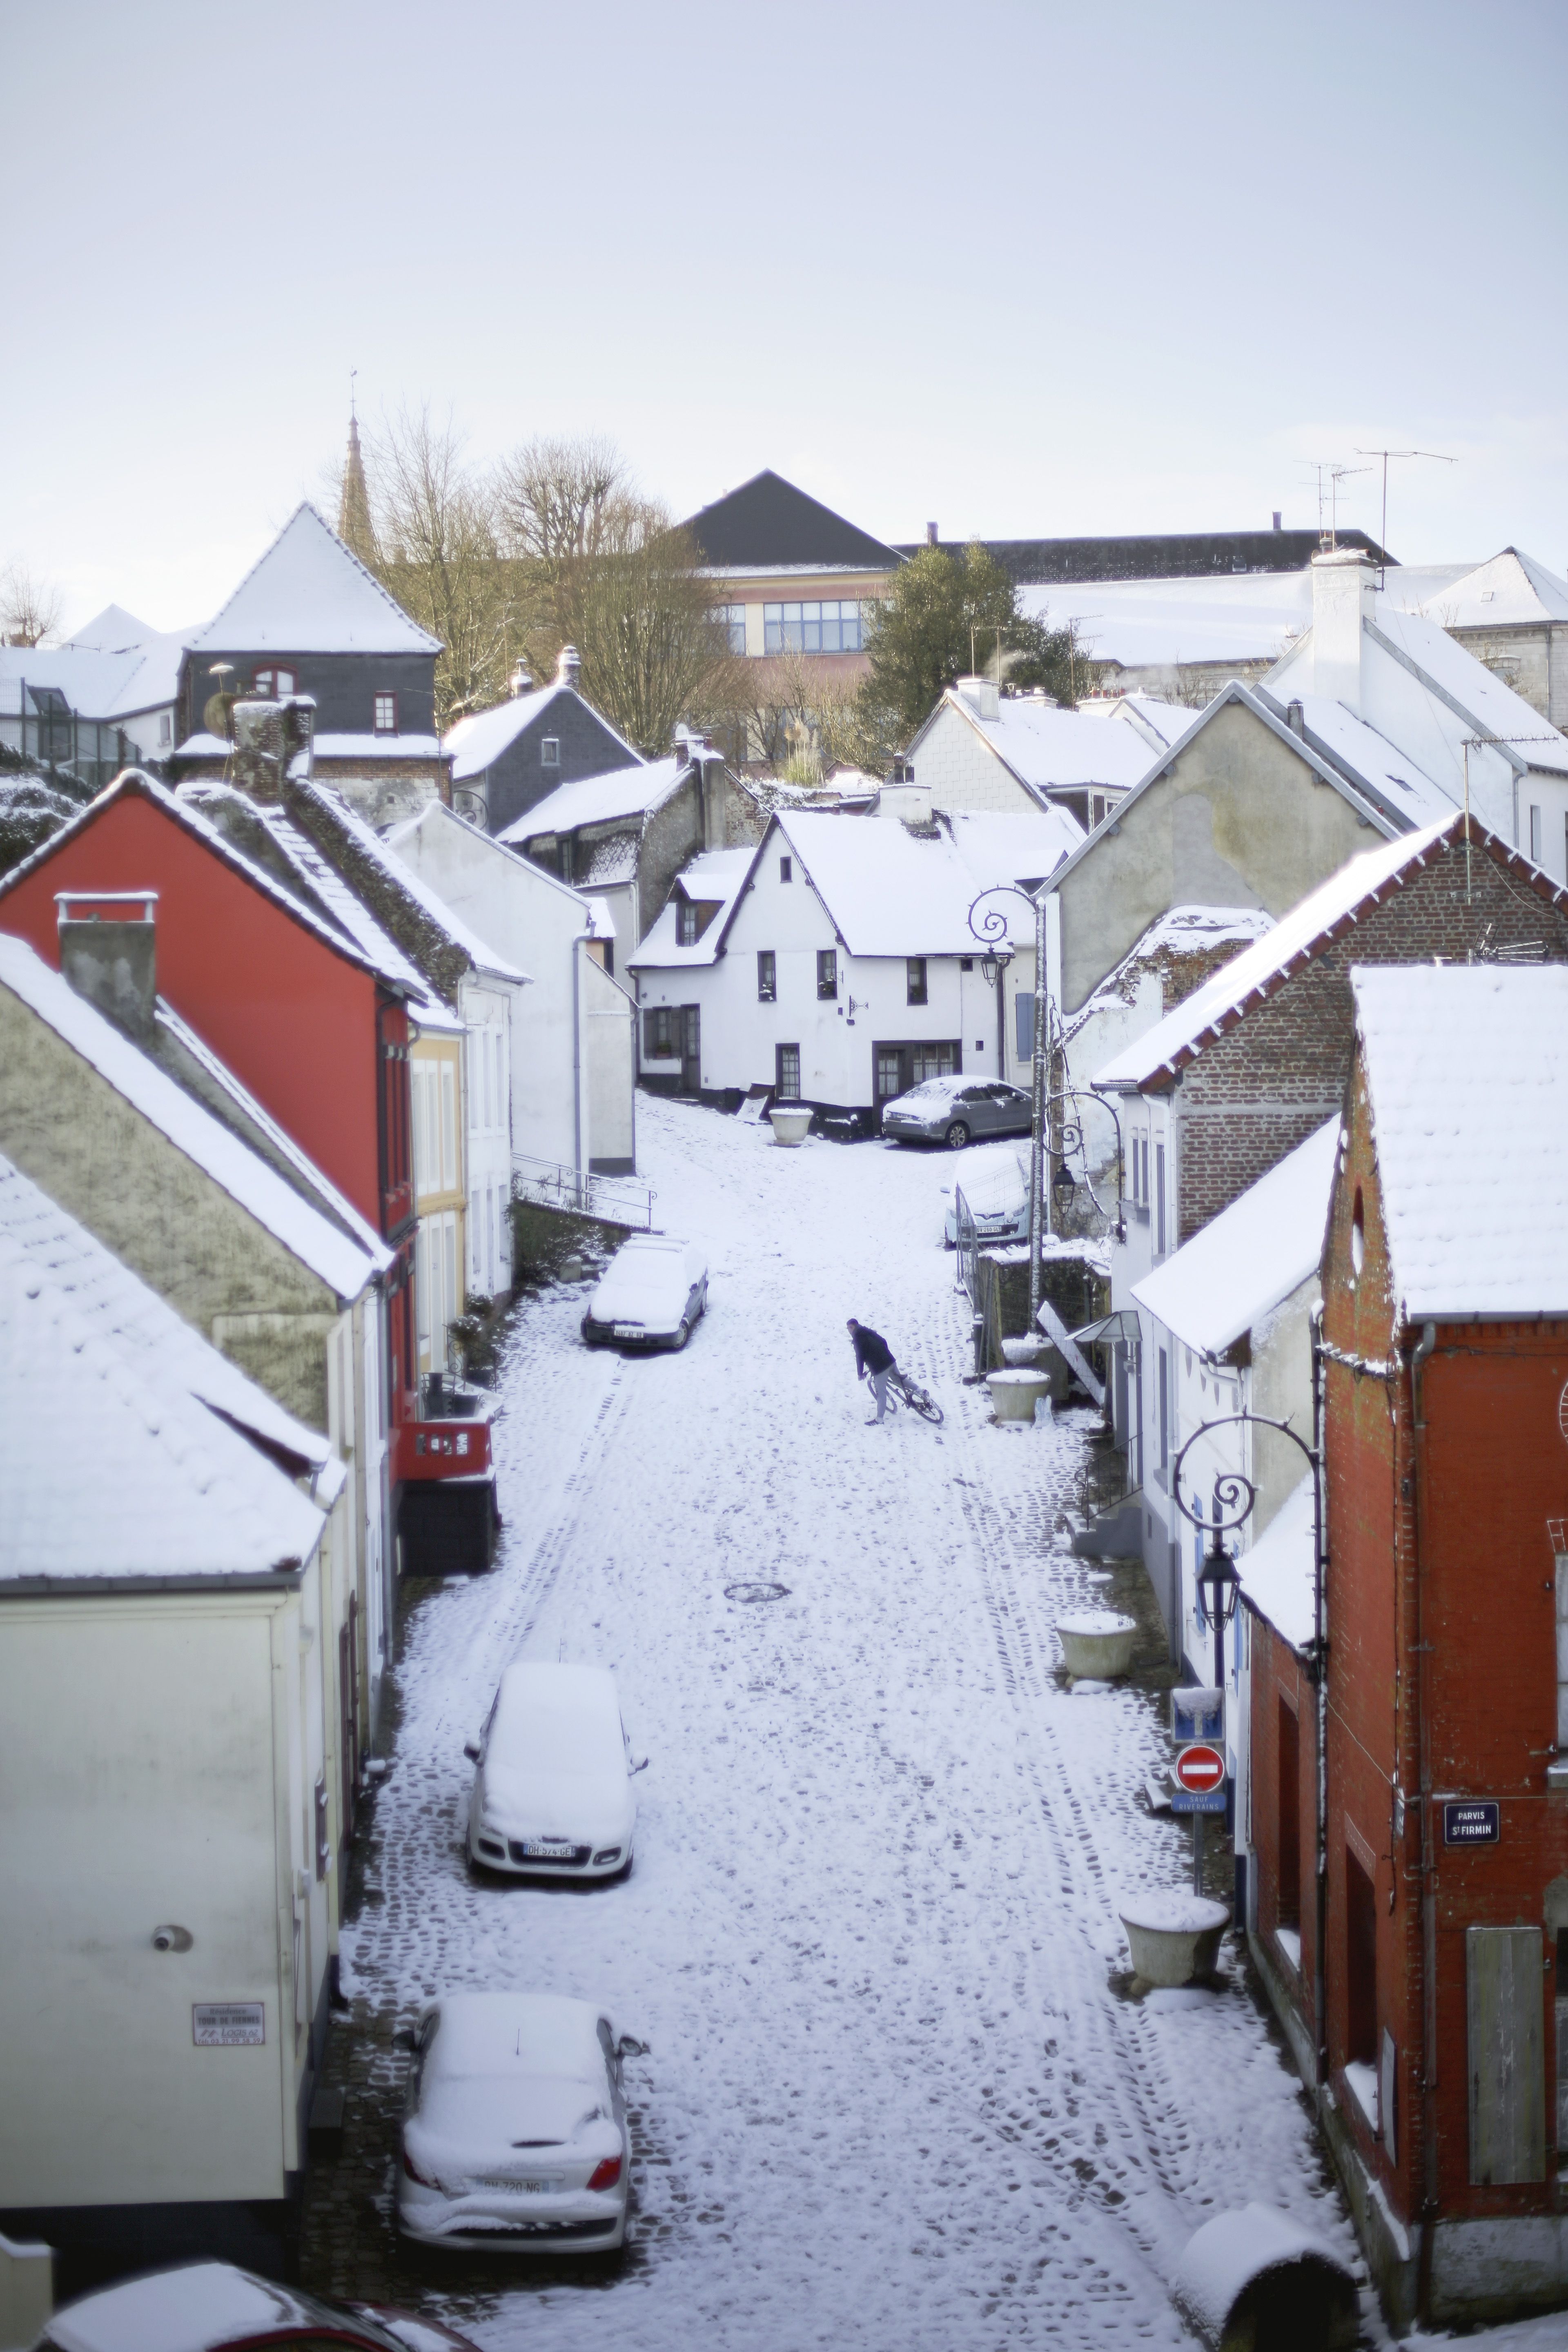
<point x="1279" y="1688"/>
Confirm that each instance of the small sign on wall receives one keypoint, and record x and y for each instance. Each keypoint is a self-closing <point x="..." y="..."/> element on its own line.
<point x="228" y="2025"/>
<point x="1477" y="1821"/>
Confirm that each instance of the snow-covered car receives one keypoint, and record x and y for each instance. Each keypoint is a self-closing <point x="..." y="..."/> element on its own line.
<point x="514" y="2126"/>
<point x="997" y="1198"/>
<point x="553" y="1796"/>
<point x="957" y="1111"/>
<point x="214" y="2307"/>
<point x="649" y="1296"/>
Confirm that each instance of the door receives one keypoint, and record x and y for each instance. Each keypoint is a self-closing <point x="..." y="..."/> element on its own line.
<point x="690" y="1049"/>
<point x="787" y="1073"/>
<point x="1507" y="2055"/>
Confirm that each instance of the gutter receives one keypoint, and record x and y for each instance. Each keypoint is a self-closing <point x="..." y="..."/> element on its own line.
<point x="1320" y="1678"/>
<point x="287" y="1577"/>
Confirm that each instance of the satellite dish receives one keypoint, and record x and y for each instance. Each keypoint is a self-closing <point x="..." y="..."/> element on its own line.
<point x="216" y="714"/>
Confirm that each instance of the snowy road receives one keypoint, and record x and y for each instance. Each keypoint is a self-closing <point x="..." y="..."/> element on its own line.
<point x="893" y="2097"/>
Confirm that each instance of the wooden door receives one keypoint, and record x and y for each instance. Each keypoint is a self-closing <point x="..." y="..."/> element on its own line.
<point x="1503" y="1968"/>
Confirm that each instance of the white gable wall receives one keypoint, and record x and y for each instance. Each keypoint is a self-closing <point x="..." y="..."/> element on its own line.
<point x="959" y="769"/>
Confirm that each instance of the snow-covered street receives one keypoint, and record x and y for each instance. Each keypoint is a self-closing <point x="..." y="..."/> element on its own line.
<point x="895" y="2095"/>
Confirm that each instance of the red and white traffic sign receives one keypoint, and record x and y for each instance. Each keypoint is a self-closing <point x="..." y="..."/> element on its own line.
<point x="1200" y="1768"/>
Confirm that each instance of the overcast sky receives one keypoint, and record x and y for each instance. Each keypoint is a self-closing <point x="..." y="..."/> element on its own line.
<point x="1025" y="270"/>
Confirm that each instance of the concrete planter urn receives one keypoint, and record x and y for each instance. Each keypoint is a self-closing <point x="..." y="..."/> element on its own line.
<point x="1096" y="1644"/>
<point x="791" y="1124"/>
<point x="1174" y="1937"/>
<point x="1014" y="1395"/>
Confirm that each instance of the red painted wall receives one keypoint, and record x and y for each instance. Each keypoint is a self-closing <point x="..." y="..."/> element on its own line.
<point x="293" y="1021"/>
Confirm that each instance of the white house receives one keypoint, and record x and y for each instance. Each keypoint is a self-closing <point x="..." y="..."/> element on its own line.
<point x="104" y="698"/>
<point x="165" y="1842"/>
<point x="573" y="1031"/>
<point x="836" y="962"/>
<point x="982" y="749"/>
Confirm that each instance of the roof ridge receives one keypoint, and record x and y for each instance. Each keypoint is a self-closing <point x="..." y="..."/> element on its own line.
<point x="203" y="635"/>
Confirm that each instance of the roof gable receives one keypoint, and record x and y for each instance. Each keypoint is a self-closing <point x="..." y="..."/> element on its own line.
<point x="307" y="595"/>
<point x="1050" y="750"/>
<point x="481" y="738"/>
<point x="769" y="525"/>
<point x="619" y="793"/>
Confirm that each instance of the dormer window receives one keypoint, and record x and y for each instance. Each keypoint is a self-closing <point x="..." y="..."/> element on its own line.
<point x="786" y="869"/>
<point x="550" y="751"/>
<point x="386" y="714"/>
<point x="272" y="683"/>
<point x="685" y="923"/>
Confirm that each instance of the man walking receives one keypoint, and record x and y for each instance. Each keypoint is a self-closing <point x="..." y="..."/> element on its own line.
<point x="873" y="1356"/>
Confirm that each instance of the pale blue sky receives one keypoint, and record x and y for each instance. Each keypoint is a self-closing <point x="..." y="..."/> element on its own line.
<point x="1025" y="269"/>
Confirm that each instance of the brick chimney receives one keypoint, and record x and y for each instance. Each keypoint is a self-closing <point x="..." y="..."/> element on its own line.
<point x="109" y="954"/>
<point x="1344" y="592"/>
<point x="269" y="737"/>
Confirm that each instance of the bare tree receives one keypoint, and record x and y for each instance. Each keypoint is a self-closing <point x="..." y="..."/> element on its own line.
<point x="30" y="605"/>
<point x="558" y="502"/>
<point x="638" y="612"/>
<point x="805" y="717"/>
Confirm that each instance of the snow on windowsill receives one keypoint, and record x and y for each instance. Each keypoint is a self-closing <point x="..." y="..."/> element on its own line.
<point x="1290" y="1942"/>
<point x="1361" y="2082"/>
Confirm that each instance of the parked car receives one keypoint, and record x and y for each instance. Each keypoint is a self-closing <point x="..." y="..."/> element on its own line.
<point x="514" y="2127"/>
<point x="214" y="2307"/>
<point x="955" y="1110"/>
<point x="552" y="1795"/>
<point x="996" y="1196"/>
<point x="649" y="1296"/>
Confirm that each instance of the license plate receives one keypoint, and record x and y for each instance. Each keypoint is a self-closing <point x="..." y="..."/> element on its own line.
<point x="524" y="2187"/>
<point x="548" y="1852"/>
<point x="627" y="1331"/>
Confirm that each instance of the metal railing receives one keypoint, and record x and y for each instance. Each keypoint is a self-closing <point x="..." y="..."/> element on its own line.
<point x="618" y="1199"/>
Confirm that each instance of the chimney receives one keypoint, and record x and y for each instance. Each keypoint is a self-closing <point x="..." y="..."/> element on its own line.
<point x="1277" y="523"/>
<point x="1344" y="591"/>
<point x="111" y="958"/>
<point x="268" y="738"/>
<point x="930" y="535"/>
<point x="982" y="694"/>
<point x="520" y="682"/>
<point x="569" y="668"/>
<point x="909" y="802"/>
<point x="1295" y="719"/>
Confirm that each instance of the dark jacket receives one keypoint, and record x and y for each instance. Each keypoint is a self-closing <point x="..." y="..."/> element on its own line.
<point x="873" y="1353"/>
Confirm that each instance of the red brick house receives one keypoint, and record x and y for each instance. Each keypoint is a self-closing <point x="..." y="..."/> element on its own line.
<point x="1442" y="2068"/>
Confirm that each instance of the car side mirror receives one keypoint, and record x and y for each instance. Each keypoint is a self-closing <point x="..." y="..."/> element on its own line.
<point x="627" y="2047"/>
<point x="405" y="2038"/>
<point x="472" y="1750"/>
<point x="640" y="1764"/>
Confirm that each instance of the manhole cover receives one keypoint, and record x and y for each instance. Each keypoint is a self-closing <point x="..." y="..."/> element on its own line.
<point x="756" y="1592"/>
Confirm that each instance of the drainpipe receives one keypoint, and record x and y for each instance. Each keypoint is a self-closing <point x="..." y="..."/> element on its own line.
<point x="1321" y="1670"/>
<point x="579" y="1155"/>
<point x="1418" y="1355"/>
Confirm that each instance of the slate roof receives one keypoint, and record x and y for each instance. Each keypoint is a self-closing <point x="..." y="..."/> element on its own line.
<point x="127" y="1450"/>
<point x="620" y="793"/>
<point x="481" y="738"/>
<point x="1161" y="555"/>
<point x="1466" y="1079"/>
<point x="307" y="595"/>
<point x="768" y="525"/>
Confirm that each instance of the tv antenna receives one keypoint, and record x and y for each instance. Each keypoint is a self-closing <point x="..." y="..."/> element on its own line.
<point x="1329" y="474"/>
<point x="1434" y="456"/>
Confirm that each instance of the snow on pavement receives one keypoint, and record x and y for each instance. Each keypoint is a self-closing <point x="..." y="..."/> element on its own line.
<point x="892" y="2092"/>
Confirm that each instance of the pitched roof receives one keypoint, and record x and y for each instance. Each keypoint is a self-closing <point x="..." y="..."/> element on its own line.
<point x="1215" y="555"/>
<point x="126" y="1452"/>
<point x="768" y="525"/>
<point x="1279" y="1572"/>
<point x="1480" y="693"/>
<point x="342" y="1263"/>
<point x="1165" y="1050"/>
<point x="1179" y="931"/>
<point x="481" y="738"/>
<point x="891" y="892"/>
<point x="1366" y="758"/>
<point x="598" y="800"/>
<point x="1046" y="749"/>
<point x="309" y="595"/>
<point x="716" y="879"/>
<point x="1243" y="1263"/>
<point x="1018" y="849"/>
<point x="1509" y="589"/>
<point x="1466" y="1079"/>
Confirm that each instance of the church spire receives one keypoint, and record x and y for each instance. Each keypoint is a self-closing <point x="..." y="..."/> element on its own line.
<point x="354" y="527"/>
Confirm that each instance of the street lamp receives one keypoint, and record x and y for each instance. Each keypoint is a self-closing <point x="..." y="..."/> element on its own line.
<point x="1064" y="1184"/>
<point x="990" y="930"/>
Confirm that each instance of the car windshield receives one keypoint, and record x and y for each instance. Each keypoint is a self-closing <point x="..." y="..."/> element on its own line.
<point x="932" y="1090"/>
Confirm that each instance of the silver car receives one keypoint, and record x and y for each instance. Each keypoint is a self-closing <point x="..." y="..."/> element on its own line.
<point x="955" y="1111"/>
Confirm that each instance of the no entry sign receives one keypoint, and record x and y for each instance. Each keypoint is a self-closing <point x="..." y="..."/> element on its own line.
<point x="1200" y="1779"/>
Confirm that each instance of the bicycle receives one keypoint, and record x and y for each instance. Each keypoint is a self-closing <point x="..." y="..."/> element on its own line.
<point x="901" y="1387"/>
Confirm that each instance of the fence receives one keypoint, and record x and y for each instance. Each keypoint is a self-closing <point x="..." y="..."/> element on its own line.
<point x="618" y="1199"/>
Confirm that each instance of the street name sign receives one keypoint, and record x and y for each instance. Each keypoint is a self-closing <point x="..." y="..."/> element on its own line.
<point x="228" y="2025"/>
<point x="1200" y="1779"/>
<point x="1477" y="1821"/>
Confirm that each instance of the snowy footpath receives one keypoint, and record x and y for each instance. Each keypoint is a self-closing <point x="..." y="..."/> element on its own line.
<point x="895" y="2095"/>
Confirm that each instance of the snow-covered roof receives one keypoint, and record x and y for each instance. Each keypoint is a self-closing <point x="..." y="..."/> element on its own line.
<point x="1278" y="1571"/>
<point x="1165" y="1049"/>
<point x="714" y="879"/>
<point x="597" y="919"/>
<point x="372" y="747"/>
<point x="1512" y="588"/>
<point x="1482" y="694"/>
<point x="1235" y="1272"/>
<point x="1366" y="757"/>
<point x="1016" y="850"/>
<point x="121" y="1455"/>
<point x="1467" y="1077"/>
<point x="1244" y="616"/>
<point x="100" y="682"/>
<point x="598" y="800"/>
<point x="1159" y="723"/>
<point x="342" y="1263"/>
<point x="343" y="904"/>
<point x="307" y="595"/>
<point x="1179" y="931"/>
<point x="891" y="892"/>
<point x="384" y="859"/>
<point x="1048" y="749"/>
<point x="481" y="738"/>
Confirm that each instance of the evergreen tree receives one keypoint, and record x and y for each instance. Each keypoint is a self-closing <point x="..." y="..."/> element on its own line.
<point x="949" y="616"/>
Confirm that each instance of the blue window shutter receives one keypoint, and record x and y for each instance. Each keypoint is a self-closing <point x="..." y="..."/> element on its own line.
<point x="1024" y="1009"/>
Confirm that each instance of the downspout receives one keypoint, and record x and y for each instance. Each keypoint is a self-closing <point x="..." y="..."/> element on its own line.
<point x="1418" y="1355"/>
<point x="579" y="1170"/>
<point x="1321" y="1676"/>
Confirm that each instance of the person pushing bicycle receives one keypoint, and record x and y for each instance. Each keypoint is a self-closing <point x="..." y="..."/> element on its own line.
<point x="873" y="1357"/>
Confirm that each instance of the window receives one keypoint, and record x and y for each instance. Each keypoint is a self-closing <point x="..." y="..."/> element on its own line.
<point x="659" y="1041"/>
<point x="685" y="923"/>
<point x="1358" y="1235"/>
<point x="818" y="628"/>
<point x="1289" y="1817"/>
<point x="786" y="1072"/>
<point x="1160" y="1200"/>
<point x="165" y="728"/>
<point x="786" y="869"/>
<point x="731" y="619"/>
<point x="449" y="1129"/>
<point x="1165" y="1387"/>
<point x="767" y="976"/>
<point x="826" y="972"/>
<point x="550" y="751"/>
<point x="386" y="714"/>
<point x="935" y="1061"/>
<point x="270" y="683"/>
<point x="1535" y="836"/>
<point x="1024" y="1024"/>
<point x="1361" y="1964"/>
<point x="915" y="981"/>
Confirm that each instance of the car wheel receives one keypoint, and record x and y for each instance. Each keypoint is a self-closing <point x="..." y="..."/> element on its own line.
<point x="957" y="1135"/>
<point x="681" y="1338"/>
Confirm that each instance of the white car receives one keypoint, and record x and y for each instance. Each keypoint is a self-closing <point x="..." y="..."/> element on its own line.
<point x="214" y="2307"/>
<point x="997" y="1197"/>
<point x="552" y="1795"/>
<point x="649" y="1296"/>
<point x="514" y="2126"/>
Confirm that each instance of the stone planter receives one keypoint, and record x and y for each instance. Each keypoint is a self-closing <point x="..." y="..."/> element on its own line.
<point x="791" y="1124"/>
<point x="1014" y="1395"/>
<point x="1097" y="1643"/>
<point x="1174" y="1937"/>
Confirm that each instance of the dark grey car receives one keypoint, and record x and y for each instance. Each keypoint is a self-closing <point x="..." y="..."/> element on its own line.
<point x="956" y="1111"/>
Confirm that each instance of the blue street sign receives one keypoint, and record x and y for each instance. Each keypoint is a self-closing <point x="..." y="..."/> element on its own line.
<point x="1192" y="1800"/>
<point x="1477" y="1821"/>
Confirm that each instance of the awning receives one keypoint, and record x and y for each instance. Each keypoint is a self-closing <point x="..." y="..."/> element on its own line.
<point x="1117" y="1330"/>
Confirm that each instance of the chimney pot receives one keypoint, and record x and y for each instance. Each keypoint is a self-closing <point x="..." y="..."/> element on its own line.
<point x="569" y="667"/>
<point x="1277" y="523"/>
<point x="930" y="535"/>
<point x="520" y="682"/>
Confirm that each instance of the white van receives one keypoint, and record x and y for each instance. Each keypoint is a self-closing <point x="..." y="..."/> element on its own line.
<point x="552" y="1795"/>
